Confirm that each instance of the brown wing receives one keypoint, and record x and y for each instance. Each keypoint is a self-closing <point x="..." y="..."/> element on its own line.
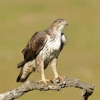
<point x="63" y="41"/>
<point x="34" y="46"/>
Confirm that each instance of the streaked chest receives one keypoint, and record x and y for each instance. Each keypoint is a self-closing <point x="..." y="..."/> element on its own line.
<point x="52" y="47"/>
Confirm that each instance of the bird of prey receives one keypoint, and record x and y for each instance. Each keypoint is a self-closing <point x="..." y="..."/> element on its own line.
<point x="42" y="49"/>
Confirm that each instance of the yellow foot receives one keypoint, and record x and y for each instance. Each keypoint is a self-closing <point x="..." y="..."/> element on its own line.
<point x="45" y="81"/>
<point x="60" y="79"/>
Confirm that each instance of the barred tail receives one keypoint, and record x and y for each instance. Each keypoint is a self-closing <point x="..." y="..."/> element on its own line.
<point x="21" y="64"/>
<point x="26" y="70"/>
<point x="22" y="77"/>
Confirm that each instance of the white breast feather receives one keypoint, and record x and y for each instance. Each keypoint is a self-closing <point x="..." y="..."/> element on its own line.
<point x="51" y="47"/>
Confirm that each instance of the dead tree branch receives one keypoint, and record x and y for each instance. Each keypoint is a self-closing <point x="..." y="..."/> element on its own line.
<point x="54" y="85"/>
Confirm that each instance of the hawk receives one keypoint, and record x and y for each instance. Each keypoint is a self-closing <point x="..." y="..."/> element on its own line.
<point x="42" y="49"/>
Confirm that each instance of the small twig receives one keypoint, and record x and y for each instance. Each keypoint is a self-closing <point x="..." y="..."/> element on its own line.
<point x="30" y="86"/>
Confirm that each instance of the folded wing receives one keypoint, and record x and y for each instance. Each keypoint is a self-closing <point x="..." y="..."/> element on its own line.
<point x="34" y="46"/>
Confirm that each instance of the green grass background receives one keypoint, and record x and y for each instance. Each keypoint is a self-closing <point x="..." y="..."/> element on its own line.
<point x="20" y="19"/>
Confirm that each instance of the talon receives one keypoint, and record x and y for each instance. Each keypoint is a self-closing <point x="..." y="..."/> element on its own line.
<point x="45" y="81"/>
<point x="59" y="79"/>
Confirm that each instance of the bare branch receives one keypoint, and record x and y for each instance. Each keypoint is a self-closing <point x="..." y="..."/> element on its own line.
<point x="54" y="85"/>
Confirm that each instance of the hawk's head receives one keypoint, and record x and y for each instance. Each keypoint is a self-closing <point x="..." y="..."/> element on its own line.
<point x="59" y="24"/>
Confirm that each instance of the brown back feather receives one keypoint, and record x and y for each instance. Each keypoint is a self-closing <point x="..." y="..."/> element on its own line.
<point x="34" y="46"/>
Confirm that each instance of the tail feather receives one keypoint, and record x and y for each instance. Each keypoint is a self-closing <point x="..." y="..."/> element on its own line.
<point x="19" y="79"/>
<point x="25" y="72"/>
<point x="22" y="78"/>
<point x="21" y="64"/>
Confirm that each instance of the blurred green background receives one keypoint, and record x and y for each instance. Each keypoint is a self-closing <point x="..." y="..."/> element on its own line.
<point x="20" y="19"/>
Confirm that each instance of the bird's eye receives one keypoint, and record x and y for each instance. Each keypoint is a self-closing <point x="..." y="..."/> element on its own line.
<point x="60" y="21"/>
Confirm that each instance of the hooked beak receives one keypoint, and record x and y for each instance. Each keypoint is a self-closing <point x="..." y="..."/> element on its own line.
<point x="65" y="23"/>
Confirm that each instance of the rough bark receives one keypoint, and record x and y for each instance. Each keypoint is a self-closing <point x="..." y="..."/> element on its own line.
<point x="56" y="85"/>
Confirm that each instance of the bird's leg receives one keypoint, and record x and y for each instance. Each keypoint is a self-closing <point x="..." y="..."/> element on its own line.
<point x="43" y="79"/>
<point x="54" y="68"/>
<point x="40" y="68"/>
